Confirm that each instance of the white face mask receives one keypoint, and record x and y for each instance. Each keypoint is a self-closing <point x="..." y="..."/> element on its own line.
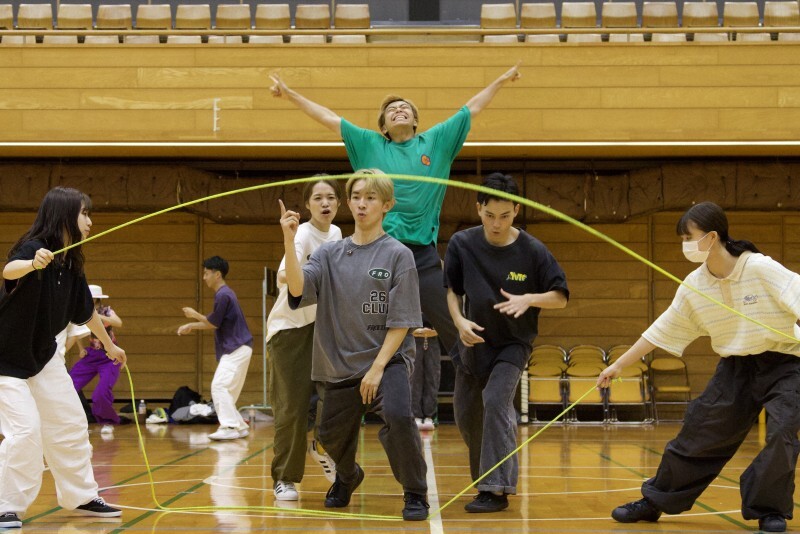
<point x="692" y="251"/>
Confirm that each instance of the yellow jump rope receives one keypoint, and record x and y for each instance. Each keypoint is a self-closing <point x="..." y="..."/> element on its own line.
<point x="437" y="181"/>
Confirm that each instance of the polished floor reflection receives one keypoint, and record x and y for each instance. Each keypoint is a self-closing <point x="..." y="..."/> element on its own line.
<point x="570" y="479"/>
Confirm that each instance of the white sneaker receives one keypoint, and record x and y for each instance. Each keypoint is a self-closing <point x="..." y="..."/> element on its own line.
<point x="244" y="432"/>
<point x="285" y="491"/>
<point x="418" y="420"/>
<point x="427" y="424"/>
<point x="107" y="429"/>
<point x="325" y="461"/>
<point x="224" y="432"/>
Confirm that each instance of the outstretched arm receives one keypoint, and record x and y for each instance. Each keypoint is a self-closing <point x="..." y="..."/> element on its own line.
<point x="639" y="349"/>
<point x="290" y="220"/>
<point x="478" y="102"/>
<point x="516" y="305"/>
<point x="319" y="113"/>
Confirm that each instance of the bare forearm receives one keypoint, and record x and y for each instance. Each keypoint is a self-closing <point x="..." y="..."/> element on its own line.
<point x="478" y="102"/>
<point x="112" y="320"/>
<point x="16" y="269"/>
<point x="294" y="273"/>
<point x="318" y="112"/>
<point x="394" y="338"/>
<point x="552" y="300"/>
<point x="640" y="349"/>
<point x="454" y="305"/>
<point x="95" y="324"/>
<point x="201" y="325"/>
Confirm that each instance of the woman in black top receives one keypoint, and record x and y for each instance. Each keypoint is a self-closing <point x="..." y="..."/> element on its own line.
<point x="40" y="413"/>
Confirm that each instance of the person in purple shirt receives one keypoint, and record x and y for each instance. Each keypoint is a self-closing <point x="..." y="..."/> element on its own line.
<point x="234" y="346"/>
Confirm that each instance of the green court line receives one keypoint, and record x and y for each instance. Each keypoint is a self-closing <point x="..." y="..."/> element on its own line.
<point x="134" y="477"/>
<point x="180" y="495"/>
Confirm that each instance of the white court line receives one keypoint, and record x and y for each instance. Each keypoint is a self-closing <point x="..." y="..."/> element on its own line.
<point x="499" y="520"/>
<point x="435" y="523"/>
<point x="571" y="518"/>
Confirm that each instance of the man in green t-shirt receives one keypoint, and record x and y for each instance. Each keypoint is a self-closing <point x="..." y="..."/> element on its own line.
<point x="399" y="149"/>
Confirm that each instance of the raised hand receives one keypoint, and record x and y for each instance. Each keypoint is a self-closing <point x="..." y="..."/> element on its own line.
<point x="278" y="89"/>
<point x="290" y="220"/>
<point x="513" y="73"/>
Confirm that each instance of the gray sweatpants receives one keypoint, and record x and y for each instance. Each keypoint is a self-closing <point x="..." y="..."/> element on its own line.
<point x="341" y="422"/>
<point x="484" y="412"/>
<point x="716" y="424"/>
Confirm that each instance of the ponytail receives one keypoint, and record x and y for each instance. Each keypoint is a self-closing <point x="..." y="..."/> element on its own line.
<point x="736" y="247"/>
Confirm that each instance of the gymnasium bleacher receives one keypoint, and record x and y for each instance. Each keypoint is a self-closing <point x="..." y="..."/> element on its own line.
<point x="324" y="22"/>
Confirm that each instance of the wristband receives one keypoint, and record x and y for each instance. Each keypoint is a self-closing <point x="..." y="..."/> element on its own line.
<point x="32" y="265"/>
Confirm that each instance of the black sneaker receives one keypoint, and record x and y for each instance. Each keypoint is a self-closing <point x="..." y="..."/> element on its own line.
<point x="486" y="501"/>
<point x="416" y="508"/>
<point x="97" y="507"/>
<point x="641" y="510"/>
<point x="339" y="494"/>
<point x="10" y="520"/>
<point x="772" y="523"/>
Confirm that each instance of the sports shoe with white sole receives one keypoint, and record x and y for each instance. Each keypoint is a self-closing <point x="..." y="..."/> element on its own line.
<point x="10" y="520"/>
<point x="427" y="424"/>
<point x="225" y="432"/>
<point x="286" y="491"/>
<point x="325" y="461"/>
<point x="97" y="507"/>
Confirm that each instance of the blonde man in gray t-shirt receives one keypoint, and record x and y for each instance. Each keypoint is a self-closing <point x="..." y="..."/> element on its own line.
<point x="367" y="295"/>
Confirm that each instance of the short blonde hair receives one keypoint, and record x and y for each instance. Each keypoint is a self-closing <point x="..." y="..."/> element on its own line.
<point x="378" y="181"/>
<point x="385" y="104"/>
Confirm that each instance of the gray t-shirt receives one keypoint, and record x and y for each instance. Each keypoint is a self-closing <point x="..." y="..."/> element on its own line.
<point x="360" y="292"/>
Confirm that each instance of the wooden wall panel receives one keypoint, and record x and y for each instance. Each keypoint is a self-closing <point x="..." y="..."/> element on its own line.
<point x="608" y="92"/>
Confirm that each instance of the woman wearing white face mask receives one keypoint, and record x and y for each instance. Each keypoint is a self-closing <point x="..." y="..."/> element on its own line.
<point x="758" y="369"/>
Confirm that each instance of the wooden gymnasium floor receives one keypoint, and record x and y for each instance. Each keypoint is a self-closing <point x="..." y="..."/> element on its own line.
<point x="570" y="479"/>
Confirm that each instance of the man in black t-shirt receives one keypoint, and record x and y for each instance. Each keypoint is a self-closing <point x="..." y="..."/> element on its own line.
<point x="498" y="278"/>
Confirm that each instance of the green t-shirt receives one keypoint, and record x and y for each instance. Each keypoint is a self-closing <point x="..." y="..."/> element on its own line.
<point x="415" y="217"/>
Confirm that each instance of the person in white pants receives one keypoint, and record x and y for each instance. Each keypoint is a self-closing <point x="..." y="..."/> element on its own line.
<point x="233" y="344"/>
<point x="40" y="413"/>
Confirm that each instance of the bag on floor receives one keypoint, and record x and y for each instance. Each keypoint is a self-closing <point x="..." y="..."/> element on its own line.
<point x="183" y="397"/>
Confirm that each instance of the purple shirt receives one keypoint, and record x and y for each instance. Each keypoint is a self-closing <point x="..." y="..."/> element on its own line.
<point x="232" y="331"/>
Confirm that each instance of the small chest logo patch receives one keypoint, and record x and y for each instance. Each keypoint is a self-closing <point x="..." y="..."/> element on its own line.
<point x="517" y="277"/>
<point x="379" y="274"/>
<point x="750" y="299"/>
<point x="425" y="160"/>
